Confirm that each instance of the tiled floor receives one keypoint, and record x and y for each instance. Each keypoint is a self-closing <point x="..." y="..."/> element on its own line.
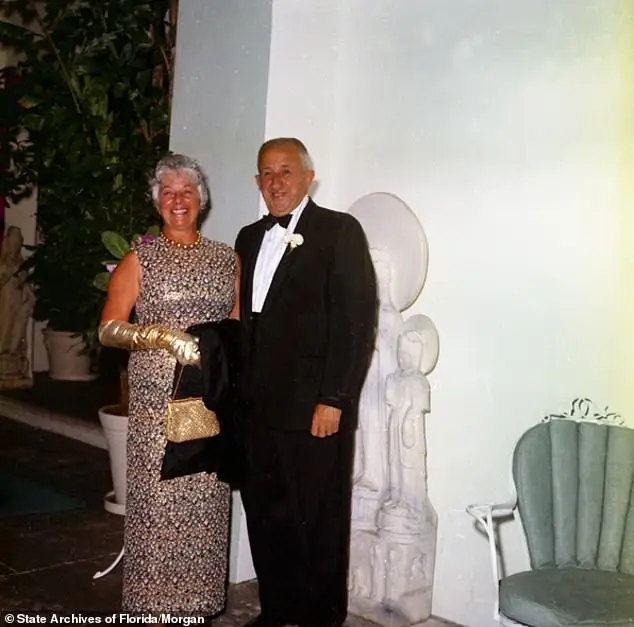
<point x="47" y="560"/>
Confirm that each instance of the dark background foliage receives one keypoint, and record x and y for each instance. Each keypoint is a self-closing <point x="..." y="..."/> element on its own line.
<point x="85" y="119"/>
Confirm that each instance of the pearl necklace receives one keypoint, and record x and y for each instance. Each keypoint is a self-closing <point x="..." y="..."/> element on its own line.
<point x="171" y="242"/>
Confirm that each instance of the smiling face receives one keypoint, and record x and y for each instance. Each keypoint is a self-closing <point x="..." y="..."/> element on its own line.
<point x="283" y="179"/>
<point x="178" y="203"/>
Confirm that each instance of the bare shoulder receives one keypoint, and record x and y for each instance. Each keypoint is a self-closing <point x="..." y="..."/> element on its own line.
<point x="123" y="288"/>
<point x="126" y="274"/>
<point x="128" y="266"/>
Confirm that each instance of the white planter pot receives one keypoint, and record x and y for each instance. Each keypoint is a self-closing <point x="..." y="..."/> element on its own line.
<point x="68" y="359"/>
<point x="115" y="427"/>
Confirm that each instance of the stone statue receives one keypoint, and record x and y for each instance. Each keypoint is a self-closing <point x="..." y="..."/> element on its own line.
<point x="407" y="397"/>
<point x="16" y="306"/>
<point x="393" y="526"/>
<point x="407" y="508"/>
<point x="370" y="478"/>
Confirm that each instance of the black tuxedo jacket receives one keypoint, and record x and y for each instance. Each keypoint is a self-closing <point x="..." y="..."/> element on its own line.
<point x="313" y="340"/>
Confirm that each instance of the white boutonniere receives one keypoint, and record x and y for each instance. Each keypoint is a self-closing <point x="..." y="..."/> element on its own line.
<point x="294" y="240"/>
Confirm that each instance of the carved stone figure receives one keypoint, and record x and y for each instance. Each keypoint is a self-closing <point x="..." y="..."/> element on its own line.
<point x="16" y="306"/>
<point x="370" y="474"/>
<point x="407" y="396"/>
<point x="393" y="534"/>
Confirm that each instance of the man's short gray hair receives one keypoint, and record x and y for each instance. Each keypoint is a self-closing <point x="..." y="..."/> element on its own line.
<point x="180" y="163"/>
<point x="307" y="162"/>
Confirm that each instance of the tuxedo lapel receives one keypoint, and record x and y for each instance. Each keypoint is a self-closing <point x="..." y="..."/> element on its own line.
<point x="292" y="256"/>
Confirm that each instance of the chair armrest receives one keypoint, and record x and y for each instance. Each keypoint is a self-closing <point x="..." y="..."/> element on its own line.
<point x="484" y="516"/>
<point x="495" y="510"/>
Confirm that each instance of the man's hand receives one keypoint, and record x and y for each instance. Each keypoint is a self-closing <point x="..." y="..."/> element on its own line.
<point x="325" y="421"/>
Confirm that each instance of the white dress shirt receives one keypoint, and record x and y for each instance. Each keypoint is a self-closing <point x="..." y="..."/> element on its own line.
<point x="269" y="257"/>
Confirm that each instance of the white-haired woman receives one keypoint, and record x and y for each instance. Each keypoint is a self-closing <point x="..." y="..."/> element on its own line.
<point x="176" y="531"/>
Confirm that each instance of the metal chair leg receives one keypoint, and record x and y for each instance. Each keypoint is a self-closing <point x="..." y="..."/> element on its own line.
<point x="103" y="573"/>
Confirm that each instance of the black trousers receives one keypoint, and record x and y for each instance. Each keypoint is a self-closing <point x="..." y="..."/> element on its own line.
<point x="297" y="501"/>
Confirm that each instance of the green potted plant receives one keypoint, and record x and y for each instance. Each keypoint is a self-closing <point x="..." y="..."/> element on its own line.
<point x="89" y="119"/>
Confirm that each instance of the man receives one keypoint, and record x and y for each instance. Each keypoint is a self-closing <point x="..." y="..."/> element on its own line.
<point x="308" y="304"/>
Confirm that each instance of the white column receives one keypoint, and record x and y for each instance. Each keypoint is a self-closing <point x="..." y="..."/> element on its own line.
<point x="219" y="106"/>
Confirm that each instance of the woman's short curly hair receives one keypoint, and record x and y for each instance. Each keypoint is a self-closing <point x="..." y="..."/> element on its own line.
<point x="180" y="163"/>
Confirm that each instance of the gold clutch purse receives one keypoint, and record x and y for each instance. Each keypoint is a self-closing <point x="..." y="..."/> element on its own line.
<point x="188" y="418"/>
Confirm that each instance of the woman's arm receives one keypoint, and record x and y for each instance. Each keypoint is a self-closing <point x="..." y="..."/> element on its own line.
<point x="123" y="289"/>
<point x="235" y="312"/>
<point x="116" y="331"/>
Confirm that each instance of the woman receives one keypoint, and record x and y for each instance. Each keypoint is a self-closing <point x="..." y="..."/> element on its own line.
<point x="176" y="531"/>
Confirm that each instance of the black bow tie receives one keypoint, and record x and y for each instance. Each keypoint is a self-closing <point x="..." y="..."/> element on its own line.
<point x="270" y="221"/>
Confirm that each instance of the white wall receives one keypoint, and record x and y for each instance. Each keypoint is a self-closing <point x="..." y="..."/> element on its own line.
<point x="222" y="61"/>
<point x="497" y="123"/>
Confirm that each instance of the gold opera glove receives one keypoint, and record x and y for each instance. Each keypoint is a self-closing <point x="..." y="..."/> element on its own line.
<point x="181" y="345"/>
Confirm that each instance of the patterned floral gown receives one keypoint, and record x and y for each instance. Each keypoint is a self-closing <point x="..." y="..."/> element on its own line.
<point x="176" y="531"/>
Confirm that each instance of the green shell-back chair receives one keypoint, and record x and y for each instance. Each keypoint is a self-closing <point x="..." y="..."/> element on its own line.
<point x="574" y="494"/>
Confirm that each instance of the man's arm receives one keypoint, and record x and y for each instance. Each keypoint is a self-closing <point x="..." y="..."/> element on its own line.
<point x="352" y="316"/>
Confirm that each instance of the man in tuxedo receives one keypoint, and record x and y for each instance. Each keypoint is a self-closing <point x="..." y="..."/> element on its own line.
<point x="308" y="305"/>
